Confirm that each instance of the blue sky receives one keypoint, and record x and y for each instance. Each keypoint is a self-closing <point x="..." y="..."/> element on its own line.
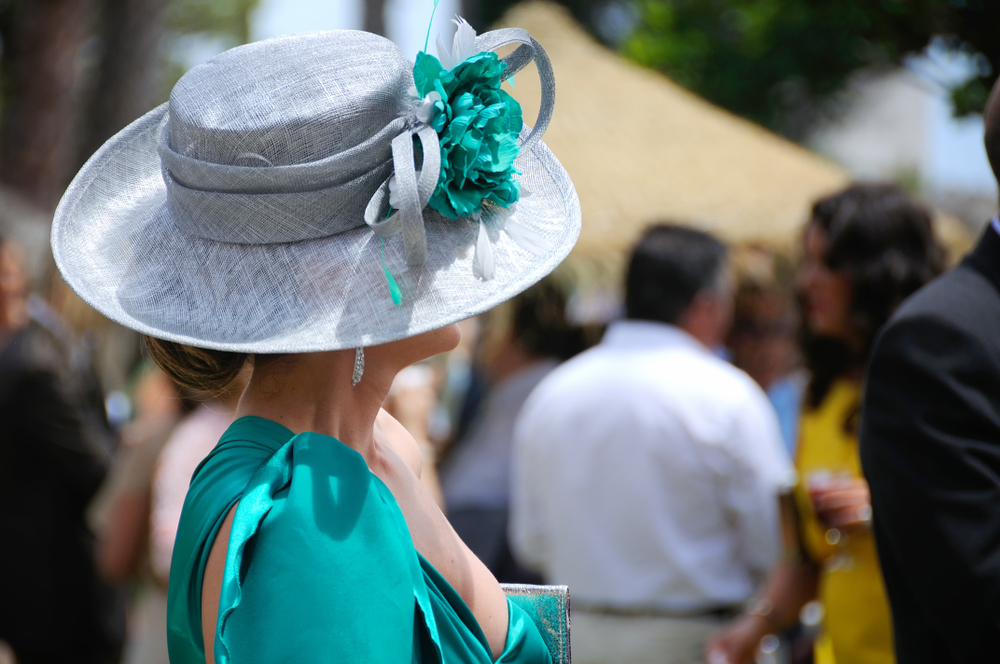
<point x="406" y="20"/>
<point x="957" y="156"/>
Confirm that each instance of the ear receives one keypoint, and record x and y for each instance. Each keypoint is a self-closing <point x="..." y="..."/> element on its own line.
<point x="697" y="318"/>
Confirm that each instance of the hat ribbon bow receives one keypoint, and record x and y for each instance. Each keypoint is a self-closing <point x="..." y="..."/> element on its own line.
<point x="412" y="189"/>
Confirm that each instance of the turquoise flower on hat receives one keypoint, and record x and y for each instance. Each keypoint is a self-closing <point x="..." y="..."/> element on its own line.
<point x="478" y="125"/>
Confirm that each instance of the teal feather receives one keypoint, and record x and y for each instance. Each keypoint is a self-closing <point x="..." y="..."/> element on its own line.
<point x="394" y="292"/>
<point x="428" y="37"/>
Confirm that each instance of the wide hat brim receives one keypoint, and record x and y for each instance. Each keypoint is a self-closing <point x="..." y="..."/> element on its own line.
<point x="117" y="247"/>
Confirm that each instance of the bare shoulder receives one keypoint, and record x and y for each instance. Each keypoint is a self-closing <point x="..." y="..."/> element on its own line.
<point x="401" y="441"/>
<point x="211" y="585"/>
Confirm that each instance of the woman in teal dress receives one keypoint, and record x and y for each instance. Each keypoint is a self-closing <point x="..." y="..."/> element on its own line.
<point x="319" y="212"/>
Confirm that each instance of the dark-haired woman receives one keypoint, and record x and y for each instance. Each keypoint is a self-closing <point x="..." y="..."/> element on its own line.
<point x="865" y="250"/>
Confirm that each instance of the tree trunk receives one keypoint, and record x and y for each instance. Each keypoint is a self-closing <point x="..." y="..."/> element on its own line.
<point x="41" y="45"/>
<point x="375" y="16"/>
<point x="129" y="79"/>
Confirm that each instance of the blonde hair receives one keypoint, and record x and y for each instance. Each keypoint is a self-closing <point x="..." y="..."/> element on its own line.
<point x="199" y="369"/>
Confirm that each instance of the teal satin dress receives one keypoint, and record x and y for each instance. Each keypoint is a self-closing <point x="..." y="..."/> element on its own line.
<point x="320" y="567"/>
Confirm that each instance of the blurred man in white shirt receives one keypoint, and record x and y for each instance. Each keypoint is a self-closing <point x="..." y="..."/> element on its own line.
<point x="646" y="470"/>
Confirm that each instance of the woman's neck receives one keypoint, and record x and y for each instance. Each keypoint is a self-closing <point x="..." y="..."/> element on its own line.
<point x="313" y="392"/>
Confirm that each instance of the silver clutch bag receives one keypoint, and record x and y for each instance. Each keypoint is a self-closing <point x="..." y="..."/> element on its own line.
<point x="548" y="607"/>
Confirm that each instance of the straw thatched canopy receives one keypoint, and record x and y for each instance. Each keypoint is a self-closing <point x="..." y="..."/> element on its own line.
<point x="641" y="149"/>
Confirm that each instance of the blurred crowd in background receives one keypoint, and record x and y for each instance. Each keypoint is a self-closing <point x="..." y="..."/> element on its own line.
<point x="96" y="500"/>
<point x="639" y="444"/>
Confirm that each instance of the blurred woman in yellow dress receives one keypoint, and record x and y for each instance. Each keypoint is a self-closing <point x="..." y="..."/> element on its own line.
<point x="865" y="250"/>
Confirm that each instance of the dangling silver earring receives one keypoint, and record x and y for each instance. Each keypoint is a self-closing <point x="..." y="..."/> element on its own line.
<point x="359" y="365"/>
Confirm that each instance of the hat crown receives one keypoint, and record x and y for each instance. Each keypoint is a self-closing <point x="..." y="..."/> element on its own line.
<point x="290" y="100"/>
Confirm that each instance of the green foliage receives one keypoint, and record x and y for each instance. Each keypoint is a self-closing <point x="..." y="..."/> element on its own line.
<point x="779" y="62"/>
<point x="221" y="23"/>
<point x="970" y="97"/>
<point x="485" y="13"/>
<point x="227" y="20"/>
<point x="774" y="60"/>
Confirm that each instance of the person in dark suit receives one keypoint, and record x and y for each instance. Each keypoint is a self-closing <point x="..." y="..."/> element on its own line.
<point x="930" y="448"/>
<point x="54" y="449"/>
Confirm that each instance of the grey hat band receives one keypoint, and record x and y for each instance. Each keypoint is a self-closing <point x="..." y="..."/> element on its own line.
<point x="290" y="217"/>
<point x="300" y="201"/>
<point x="258" y="175"/>
<point x="297" y="202"/>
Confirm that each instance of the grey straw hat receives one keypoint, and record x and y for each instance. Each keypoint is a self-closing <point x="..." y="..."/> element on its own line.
<point x="252" y="211"/>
